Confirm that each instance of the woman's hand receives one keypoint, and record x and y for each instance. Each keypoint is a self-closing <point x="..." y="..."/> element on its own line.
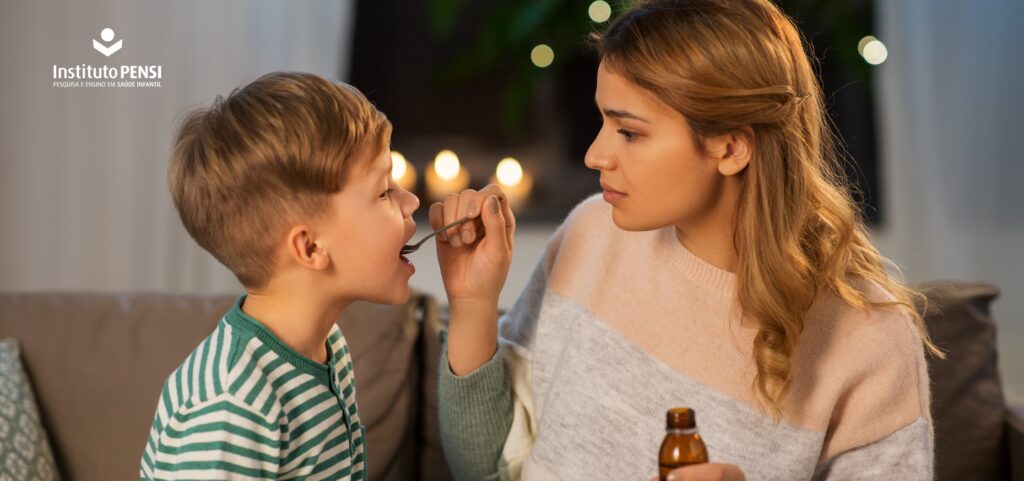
<point x="707" y="472"/>
<point x="474" y="257"/>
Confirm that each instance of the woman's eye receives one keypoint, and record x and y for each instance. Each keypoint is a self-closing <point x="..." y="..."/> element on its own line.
<point x="386" y="194"/>
<point x="627" y="134"/>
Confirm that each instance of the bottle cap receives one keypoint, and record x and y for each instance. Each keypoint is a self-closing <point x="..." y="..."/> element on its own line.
<point x="680" y="418"/>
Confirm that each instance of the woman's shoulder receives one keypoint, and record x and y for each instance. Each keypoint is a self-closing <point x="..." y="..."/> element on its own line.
<point x="871" y="362"/>
<point x="878" y="345"/>
<point x="888" y="331"/>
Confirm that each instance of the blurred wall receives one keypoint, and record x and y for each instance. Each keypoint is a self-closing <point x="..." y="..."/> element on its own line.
<point x="83" y="196"/>
<point x="952" y="141"/>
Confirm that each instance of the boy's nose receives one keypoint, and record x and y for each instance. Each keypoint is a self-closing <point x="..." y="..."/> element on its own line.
<point x="411" y="204"/>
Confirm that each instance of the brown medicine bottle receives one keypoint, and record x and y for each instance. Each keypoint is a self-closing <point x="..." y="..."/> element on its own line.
<point x="682" y="445"/>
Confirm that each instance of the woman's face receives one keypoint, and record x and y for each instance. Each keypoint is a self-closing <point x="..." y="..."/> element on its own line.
<point x="651" y="170"/>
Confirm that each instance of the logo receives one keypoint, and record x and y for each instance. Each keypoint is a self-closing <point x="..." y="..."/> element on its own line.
<point x="107" y="35"/>
<point x="122" y="76"/>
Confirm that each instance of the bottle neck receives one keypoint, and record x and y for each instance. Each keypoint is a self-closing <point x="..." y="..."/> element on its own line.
<point x="681" y="432"/>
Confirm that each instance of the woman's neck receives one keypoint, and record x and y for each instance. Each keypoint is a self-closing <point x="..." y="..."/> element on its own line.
<point x="710" y="237"/>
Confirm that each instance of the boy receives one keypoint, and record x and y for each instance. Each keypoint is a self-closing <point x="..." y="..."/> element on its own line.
<point x="287" y="183"/>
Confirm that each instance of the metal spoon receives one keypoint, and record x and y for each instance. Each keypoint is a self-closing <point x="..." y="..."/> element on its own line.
<point x="409" y="249"/>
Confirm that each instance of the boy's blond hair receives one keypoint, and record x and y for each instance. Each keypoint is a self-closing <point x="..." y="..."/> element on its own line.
<point x="267" y="155"/>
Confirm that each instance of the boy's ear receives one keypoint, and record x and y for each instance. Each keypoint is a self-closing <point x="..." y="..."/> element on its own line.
<point x="303" y="248"/>
<point x="731" y="152"/>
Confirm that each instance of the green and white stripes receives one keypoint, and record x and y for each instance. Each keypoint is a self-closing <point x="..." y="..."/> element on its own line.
<point x="244" y="405"/>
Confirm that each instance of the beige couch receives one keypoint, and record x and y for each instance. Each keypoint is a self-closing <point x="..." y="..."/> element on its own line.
<point x="98" y="363"/>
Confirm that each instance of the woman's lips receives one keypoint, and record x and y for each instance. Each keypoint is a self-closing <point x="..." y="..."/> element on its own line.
<point x="611" y="195"/>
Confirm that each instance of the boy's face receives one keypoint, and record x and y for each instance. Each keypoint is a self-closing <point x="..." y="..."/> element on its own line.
<point x="364" y="233"/>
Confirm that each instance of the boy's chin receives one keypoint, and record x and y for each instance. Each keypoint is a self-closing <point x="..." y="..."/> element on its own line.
<point x="399" y="296"/>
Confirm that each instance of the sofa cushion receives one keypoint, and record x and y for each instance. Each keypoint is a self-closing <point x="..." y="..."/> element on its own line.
<point x="384" y="342"/>
<point x="24" y="450"/>
<point x="968" y="406"/>
<point x="1015" y="441"/>
<point x="433" y="465"/>
<point x="99" y="362"/>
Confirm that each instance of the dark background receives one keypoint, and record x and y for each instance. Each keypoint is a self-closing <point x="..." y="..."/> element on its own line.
<point x="457" y="74"/>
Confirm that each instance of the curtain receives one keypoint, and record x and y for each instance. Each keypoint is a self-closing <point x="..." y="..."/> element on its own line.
<point x="950" y="109"/>
<point x="84" y="203"/>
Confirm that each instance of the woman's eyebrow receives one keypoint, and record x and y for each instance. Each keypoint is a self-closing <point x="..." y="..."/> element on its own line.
<point x="620" y="114"/>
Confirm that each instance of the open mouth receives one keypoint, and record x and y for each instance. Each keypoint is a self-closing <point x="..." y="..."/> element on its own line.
<point x="407" y="263"/>
<point x="407" y="250"/>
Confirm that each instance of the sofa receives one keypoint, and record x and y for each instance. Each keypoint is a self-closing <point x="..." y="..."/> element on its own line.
<point x="96" y="364"/>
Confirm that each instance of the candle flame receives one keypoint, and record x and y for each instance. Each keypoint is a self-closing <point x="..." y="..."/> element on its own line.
<point x="446" y="165"/>
<point x="509" y="172"/>
<point x="399" y="166"/>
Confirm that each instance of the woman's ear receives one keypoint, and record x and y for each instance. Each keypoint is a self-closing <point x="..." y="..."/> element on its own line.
<point x="731" y="152"/>
<point x="305" y="250"/>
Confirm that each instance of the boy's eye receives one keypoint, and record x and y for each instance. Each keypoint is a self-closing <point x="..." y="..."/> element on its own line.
<point x="627" y="134"/>
<point x="386" y="194"/>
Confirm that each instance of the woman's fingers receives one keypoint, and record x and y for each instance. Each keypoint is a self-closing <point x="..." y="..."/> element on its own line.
<point x="451" y="210"/>
<point x="478" y="227"/>
<point x="708" y="472"/>
<point x="510" y="219"/>
<point x="494" y="222"/>
<point x="470" y="203"/>
<point x="436" y="217"/>
<point x="469" y="206"/>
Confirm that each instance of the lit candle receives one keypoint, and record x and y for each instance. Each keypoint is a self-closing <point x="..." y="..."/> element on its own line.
<point x="446" y="176"/>
<point x="402" y="172"/>
<point x="516" y="182"/>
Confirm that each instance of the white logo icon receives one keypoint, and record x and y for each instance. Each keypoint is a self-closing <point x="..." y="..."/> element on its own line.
<point x="107" y="35"/>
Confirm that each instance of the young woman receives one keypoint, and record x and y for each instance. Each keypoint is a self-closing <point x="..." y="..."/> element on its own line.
<point x="724" y="268"/>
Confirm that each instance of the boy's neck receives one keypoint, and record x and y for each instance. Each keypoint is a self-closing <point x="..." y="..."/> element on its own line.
<point x="303" y="322"/>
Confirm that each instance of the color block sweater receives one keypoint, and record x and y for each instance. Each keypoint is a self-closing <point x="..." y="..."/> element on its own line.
<point x="616" y="327"/>
<point x="244" y="405"/>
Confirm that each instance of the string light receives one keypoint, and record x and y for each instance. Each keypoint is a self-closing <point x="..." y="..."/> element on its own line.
<point x="873" y="50"/>
<point x="542" y="55"/>
<point x="600" y="11"/>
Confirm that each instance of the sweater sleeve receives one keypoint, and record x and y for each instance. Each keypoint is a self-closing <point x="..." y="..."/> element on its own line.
<point x="881" y="426"/>
<point x="475" y="417"/>
<point x="478" y="411"/>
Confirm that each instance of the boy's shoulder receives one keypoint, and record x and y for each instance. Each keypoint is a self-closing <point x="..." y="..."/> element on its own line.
<point x="202" y="404"/>
<point x="209" y="376"/>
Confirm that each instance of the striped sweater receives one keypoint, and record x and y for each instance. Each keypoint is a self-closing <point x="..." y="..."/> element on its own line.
<point x="616" y="327"/>
<point x="244" y="405"/>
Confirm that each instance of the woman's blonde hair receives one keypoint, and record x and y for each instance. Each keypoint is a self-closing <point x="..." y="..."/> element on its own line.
<point x="733" y="65"/>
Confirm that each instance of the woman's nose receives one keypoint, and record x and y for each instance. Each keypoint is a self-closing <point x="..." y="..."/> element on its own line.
<point x="596" y="158"/>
